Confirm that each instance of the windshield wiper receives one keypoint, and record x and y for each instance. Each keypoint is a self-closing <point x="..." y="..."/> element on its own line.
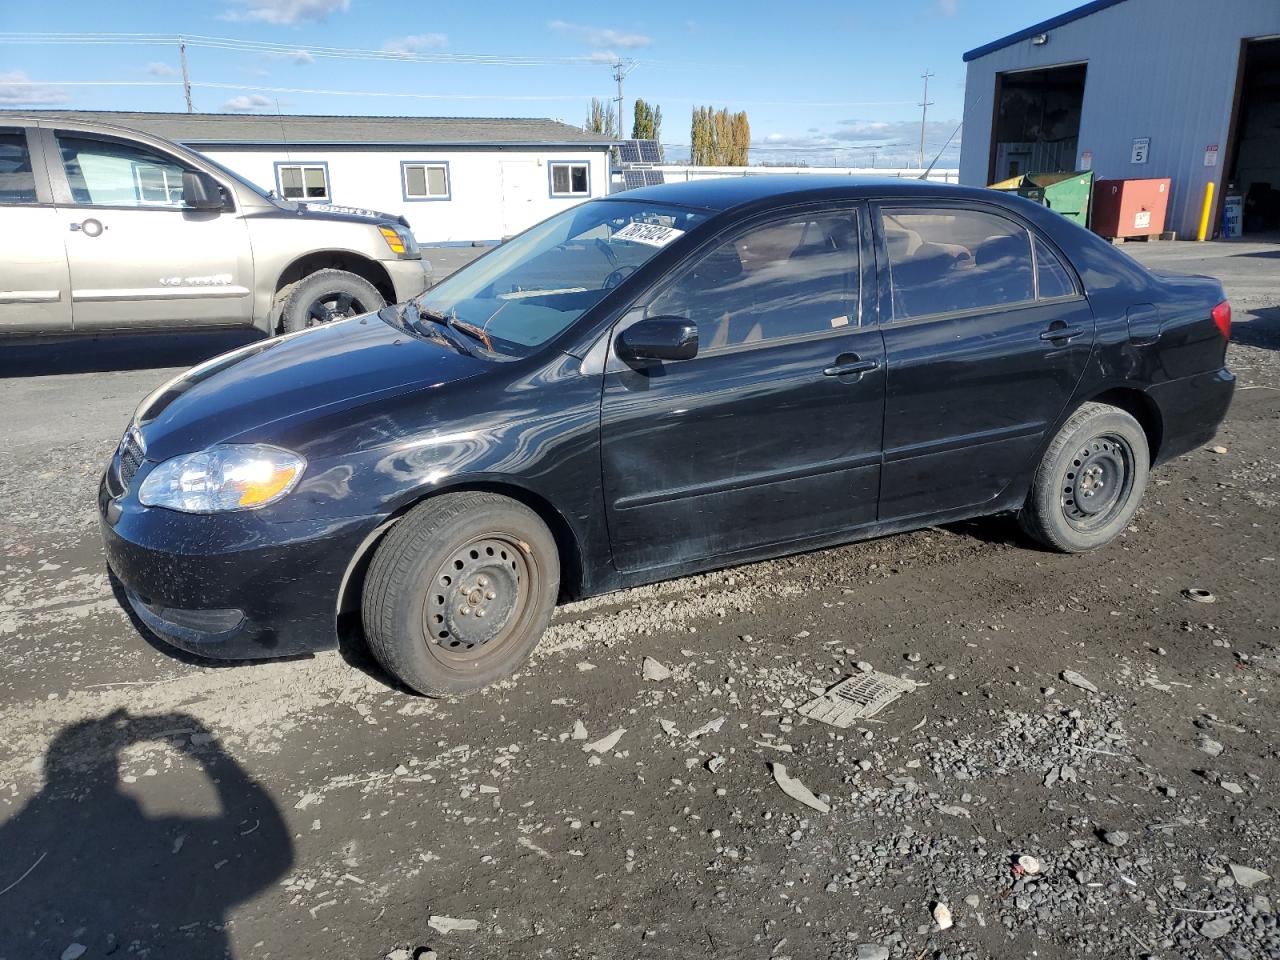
<point x="411" y="320"/>
<point x="471" y="330"/>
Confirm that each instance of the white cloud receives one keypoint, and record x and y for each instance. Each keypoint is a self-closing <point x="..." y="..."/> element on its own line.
<point x="601" y="36"/>
<point x="298" y="57"/>
<point x="894" y="143"/>
<point x="17" y="90"/>
<point x="602" y="56"/>
<point x="416" y="43"/>
<point x="948" y="8"/>
<point x="248" y="103"/>
<point x="157" y="69"/>
<point x="286" y="12"/>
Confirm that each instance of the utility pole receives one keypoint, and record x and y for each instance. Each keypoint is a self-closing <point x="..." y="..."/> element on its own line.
<point x="620" y="70"/>
<point x="925" y="103"/>
<point x="186" y="77"/>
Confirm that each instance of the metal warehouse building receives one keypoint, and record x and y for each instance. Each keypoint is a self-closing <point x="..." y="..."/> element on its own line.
<point x="1137" y="89"/>
<point x="455" y="179"/>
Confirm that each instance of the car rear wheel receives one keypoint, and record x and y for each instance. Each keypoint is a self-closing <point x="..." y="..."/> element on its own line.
<point x="459" y="592"/>
<point x="1090" y="482"/>
<point x="325" y="296"/>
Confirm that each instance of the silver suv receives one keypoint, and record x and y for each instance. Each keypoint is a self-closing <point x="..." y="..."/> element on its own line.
<point x="104" y="229"/>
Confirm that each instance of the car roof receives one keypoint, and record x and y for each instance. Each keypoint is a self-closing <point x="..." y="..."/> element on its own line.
<point x="726" y="193"/>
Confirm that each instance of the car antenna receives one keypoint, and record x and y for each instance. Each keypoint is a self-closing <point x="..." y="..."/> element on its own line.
<point x="929" y="169"/>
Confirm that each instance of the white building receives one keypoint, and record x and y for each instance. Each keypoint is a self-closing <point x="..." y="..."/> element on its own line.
<point x="1137" y="89"/>
<point x="455" y="179"/>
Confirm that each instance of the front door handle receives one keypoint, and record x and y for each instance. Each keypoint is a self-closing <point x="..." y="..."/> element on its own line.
<point x="854" y="366"/>
<point x="1060" y="332"/>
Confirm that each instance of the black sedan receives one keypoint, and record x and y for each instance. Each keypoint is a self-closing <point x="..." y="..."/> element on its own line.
<point x="669" y="380"/>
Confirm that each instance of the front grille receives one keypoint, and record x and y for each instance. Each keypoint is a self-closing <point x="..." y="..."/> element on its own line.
<point x="131" y="456"/>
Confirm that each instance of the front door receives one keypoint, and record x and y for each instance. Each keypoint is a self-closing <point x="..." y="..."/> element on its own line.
<point x="771" y="434"/>
<point x="987" y="335"/>
<point x="136" y="256"/>
<point x="35" y="290"/>
<point x="521" y="180"/>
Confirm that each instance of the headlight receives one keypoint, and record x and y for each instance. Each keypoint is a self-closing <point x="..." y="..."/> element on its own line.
<point x="223" y="478"/>
<point x="400" y="241"/>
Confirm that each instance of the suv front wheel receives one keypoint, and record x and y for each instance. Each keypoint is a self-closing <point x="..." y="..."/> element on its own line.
<point x="328" y="295"/>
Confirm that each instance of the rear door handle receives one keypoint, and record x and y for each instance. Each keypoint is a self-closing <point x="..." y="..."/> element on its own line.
<point x="1063" y="333"/>
<point x="857" y="366"/>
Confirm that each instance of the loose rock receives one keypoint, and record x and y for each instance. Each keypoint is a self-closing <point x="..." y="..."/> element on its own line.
<point x="652" y="669"/>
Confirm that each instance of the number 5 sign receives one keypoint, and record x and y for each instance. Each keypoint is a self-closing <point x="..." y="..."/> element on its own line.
<point x="1141" y="147"/>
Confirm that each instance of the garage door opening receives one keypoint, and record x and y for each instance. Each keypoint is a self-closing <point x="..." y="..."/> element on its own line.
<point x="1254" y="173"/>
<point x="1037" y="121"/>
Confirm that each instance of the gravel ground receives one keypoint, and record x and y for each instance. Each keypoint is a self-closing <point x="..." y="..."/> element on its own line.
<point x="1084" y="766"/>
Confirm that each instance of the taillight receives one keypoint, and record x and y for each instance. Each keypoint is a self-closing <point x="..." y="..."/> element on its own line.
<point x="1222" y="317"/>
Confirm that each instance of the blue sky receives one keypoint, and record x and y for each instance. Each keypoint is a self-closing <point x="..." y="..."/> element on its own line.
<point x="821" y="82"/>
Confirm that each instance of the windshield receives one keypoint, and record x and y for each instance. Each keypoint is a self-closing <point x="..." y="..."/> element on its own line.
<point x="239" y="178"/>
<point x="532" y="288"/>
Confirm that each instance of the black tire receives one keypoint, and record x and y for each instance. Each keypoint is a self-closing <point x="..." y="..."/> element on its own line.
<point x="1090" y="482"/>
<point x="449" y="564"/>
<point x="328" y="295"/>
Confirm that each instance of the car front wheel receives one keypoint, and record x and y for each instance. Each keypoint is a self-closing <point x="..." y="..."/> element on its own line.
<point x="325" y="296"/>
<point x="459" y="592"/>
<point x="1090" y="482"/>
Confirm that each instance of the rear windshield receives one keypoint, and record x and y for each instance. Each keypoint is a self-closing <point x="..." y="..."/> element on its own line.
<point x="532" y="288"/>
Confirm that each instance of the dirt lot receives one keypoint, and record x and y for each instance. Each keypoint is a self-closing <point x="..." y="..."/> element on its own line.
<point x="153" y="806"/>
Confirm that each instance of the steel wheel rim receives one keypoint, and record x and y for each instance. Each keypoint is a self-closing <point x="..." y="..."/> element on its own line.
<point x="333" y="306"/>
<point x="1097" y="482"/>
<point x="480" y="598"/>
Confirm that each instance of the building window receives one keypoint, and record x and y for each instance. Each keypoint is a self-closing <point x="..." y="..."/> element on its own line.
<point x="425" y="180"/>
<point x="303" y="181"/>
<point x="570" y="180"/>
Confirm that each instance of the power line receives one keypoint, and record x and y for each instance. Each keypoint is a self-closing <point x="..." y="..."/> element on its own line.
<point x="284" y="49"/>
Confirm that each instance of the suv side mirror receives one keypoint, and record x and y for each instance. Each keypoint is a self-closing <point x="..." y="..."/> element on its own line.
<point x="659" y="338"/>
<point x="200" y="191"/>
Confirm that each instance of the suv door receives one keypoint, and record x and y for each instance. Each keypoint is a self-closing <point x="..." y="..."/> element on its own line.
<point x="987" y="335"/>
<point x="137" y="256"/>
<point x="771" y="434"/>
<point x="35" y="289"/>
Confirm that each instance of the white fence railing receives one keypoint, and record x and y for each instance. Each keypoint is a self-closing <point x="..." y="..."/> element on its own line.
<point x="678" y="173"/>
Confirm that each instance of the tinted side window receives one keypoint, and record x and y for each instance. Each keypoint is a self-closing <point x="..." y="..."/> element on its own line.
<point x="114" y="174"/>
<point x="786" y="278"/>
<point x="946" y="260"/>
<point x="17" y="182"/>
<point x="1052" y="278"/>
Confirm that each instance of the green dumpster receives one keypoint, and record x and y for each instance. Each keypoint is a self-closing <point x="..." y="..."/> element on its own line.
<point x="1067" y="193"/>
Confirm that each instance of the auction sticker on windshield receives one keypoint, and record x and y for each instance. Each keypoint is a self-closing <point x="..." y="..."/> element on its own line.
<point x="653" y="234"/>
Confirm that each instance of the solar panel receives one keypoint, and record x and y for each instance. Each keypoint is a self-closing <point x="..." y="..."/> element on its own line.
<point x="653" y="177"/>
<point x="632" y="179"/>
<point x="650" y="152"/>
<point x="629" y="151"/>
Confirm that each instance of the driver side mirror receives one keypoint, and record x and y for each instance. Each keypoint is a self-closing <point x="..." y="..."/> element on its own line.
<point x="659" y="338"/>
<point x="200" y="191"/>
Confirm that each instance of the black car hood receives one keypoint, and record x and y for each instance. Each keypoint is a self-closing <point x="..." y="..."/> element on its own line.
<point x="240" y="395"/>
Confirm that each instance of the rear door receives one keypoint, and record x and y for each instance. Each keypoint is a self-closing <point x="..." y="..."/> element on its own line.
<point x="988" y="334"/>
<point x="35" y="294"/>
<point x="137" y="257"/>
<point x="771" y="433"/>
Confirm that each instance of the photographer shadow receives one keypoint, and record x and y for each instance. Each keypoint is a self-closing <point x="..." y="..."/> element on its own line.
<point x="84" y="862"/>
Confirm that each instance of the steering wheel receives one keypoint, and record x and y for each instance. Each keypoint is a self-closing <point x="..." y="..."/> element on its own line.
<point x="615" y="278"/>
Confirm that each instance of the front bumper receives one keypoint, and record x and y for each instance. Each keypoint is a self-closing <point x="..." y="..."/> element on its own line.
<point x="230" y="586"/>
<point x="409" y="277"/>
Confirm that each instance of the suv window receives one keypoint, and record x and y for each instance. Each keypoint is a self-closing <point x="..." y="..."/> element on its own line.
<point x="947" y="259"/>
<point x="787" y="278"/>
<point x="17" y="182"/>
<point x="112" y="173"/>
